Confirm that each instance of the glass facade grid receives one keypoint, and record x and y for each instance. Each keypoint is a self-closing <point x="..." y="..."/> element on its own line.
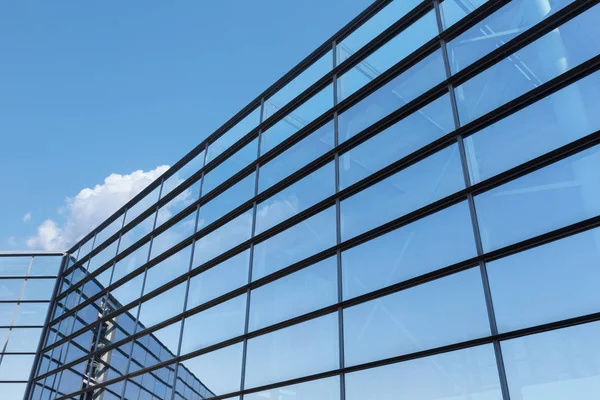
<point x="386" y="269"/>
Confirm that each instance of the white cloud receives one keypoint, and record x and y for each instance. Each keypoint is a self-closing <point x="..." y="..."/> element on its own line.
<point x="89" y="208"/>
<point x="27" y="217"/>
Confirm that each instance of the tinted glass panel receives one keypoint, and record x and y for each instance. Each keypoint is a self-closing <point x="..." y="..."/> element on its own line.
<point x="318" y="233"/>
<point x="189" y="169"/>
<point x="297" y="156"/>
<point x="433" y="242"/>
<point x="553" y="54"/>
<point x="42" y="266"/>
<point x="304" y="291"/>
<point x="558" y="119"/>
<point x="168" y="269"/>
<point x="322" y="389"/>
<point x="393" y="95"/>
<point x="420" y="184"/>
<point x="299" y="350"/>
<point x="387" y="55"/>
<point x="453" y="11"/>
<point x="463" y="374"/>
<point x="230" y="167"/>
<point x="14" y="266"/>
<point x="404" y="137"/>
<point x="525" y="286"/>
<point x="445" y="311"/>
<point x="550" y="198"/>
<point x="296" y="198"/>
<point x="143" y="204"/>
<point x="561" y="364"/>
<point x="234" y="134"/>
<point x="163" y="306"/>
<point x="173" y="235"/>
<point x="297" y="119"/>
<point x="227" y="201"/>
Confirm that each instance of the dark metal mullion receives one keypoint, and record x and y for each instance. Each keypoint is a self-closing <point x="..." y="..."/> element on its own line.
<point x="475" y="224"/>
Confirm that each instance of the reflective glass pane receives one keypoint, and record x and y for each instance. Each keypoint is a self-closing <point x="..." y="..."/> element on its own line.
<point x="561" y="118"/>
<point x="13" y="390"/>
<point x="110" y="230"/>
<point x="553" y="54"/>
<point x="38" y="289"/>
<point x="298" y="85"/>
<point x="297" y="156"/>
<point x="216" y="324"/>
<point x="238" y="131"/>
<point x="10" y="289"/>
<point x="46" y="266"/>
<point x="431" y="179"/>
<point x="322" y="389"/>
<point x="398" y="92"/>
<point x="127" y="292"/>
<point x="189" y="169"/>
<point x="497" y="29"/>
<point x="376" y="63"/>
<point x="550" y="198"/>
<point x="33" y="314"/>
<point x="555" y="365"/>
<point x="218" y="280"/>
<point x="317" y="232"/>
<point x="173" y="235"/>
<point x="227" y="201"/>
<point x="378" y="23"/>
<point x="143" y="204"/>
<point x="223" y="238"/>
<point x="14" y="266"/>
<point x="101" y="258"/>
<point x="464" y="374"/>
<point x="24" y="340"/>
<point x="299" y="293"/>
<point x="131" y="262"/>
<point x="174" y="207"/>
<point x="453" y="11"/>
<point x="219" y="371"/>
<point x="525" y="286"/>
<point x="137" y="232"/>
<point x="230" y="167"/>
<point x="297" y="197"/>
<point x="295" y="351"/>
<point x="297" y="119"/>
<point x="163" y="306"/>
<point x="85" y="248"/>
<point x="404" y="137"/>
<point x="16" y="367"/>
<point x="449" y="310"/>
<point x="434" y="242"/>
<point x="168" y="269"/>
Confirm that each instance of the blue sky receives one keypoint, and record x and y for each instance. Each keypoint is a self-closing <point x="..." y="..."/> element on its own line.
<point x="88" y="89"/>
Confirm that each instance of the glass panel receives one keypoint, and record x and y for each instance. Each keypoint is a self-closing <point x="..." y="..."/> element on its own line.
<point x="322" y="389"/>
<point x="464" y="374"/>
<point x="46" y="266"/>
<point x="33" y="314"/>
<point x="378" y="23"/>
<point x="163" y="306"/>
<point x="299" y="350"/>
<point x="297" y="156"/>
<point x="497" y="29"/>
<point x="174" y="207"/>
<point x="299" y="293"/>
<point x="555" y="365"/>
<point x="219" y="371"/>
<point x="103" y="257"/>
<point x="24" y="340"/>
<point x="7" y="312"/>
<point x="218" y="280"/>
<point x="189" y="169"/>
<point x="438" y="313"/>
<point x="84" y="249"/>
<point x="295" y="198"/>
<point x="173" y="235"/>
<point x="550" y="198"/>
<point x="131" y="262"/>
<point x="10" y="289"/>
<point x="525" y="286"/>
<point x="136" y="233"/>
<point x="110" y="230"/>
<point x="143" y="204"/>
<point x="230" y="166"/>
<point x="297" y="119"/>
<point x="216" y="324"/>
<point x="16" y="367"/>
<point x="561" y="118"/>
<point x="453" y="11"/>
<point x="436" y="241"/>
<point x="393" y="95"/>
<point x="401" y="139"/>
<point x="14" y="266"/>
<point x="238" y="131"/>
<point x="298" y="85"/>
<point x="38" y="289"/>
<point x="13" y="390"/>
<point x="223" y="238"/>
<point x="227" y="201"/>
<point x="168" y="269"/>
<point x="553" y="54"/>
<point x="127" y="292"/>
<point x="429" y="180"/>
<point x="155" y="347"/>
<point x="402" y="45"/>
<point x="317" y="232"/>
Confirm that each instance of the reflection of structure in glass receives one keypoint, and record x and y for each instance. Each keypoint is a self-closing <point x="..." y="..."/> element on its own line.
<point x="412" y="212"/>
